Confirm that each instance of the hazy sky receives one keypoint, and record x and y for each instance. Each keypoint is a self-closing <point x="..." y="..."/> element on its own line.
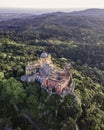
<point x="52" y="3"/>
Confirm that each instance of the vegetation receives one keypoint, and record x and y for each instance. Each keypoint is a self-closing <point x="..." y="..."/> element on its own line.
<point x="26" y="106"/>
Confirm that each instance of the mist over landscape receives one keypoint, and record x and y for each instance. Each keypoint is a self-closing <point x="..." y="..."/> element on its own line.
<point x="36" y="11"/>
<point x="74" y="36"/>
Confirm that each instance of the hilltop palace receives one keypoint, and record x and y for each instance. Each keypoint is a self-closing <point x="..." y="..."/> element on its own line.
<point x="50" y="77"/>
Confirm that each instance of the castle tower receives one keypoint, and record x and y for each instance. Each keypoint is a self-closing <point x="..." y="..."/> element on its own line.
<point x="67" y="70"/>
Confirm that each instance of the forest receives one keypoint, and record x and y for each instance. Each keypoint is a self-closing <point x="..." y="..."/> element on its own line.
<point x="77" y="38"/>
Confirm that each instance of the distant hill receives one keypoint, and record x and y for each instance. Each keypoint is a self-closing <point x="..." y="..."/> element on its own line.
<point x="89" y="12"/>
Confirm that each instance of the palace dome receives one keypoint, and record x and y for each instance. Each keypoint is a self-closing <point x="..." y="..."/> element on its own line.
<point x="44" y="55"/>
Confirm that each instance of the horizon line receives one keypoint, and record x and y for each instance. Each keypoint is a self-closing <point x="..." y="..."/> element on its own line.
<point x="51" y="8"/>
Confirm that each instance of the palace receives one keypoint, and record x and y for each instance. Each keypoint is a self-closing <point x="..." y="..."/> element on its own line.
<point x="50" y="77"/>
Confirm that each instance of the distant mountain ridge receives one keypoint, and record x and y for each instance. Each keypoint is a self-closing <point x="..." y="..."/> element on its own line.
<point x="89" y="12"/>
